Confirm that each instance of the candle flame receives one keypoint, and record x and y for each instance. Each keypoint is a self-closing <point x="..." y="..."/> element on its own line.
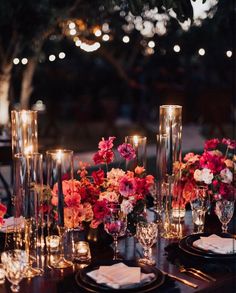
<point x="170" y="112"/>
<point x="135" y="140"/>
<point x="59" y="156"/>
<point x="24" y="117"/>
<point x="28" y="150"/>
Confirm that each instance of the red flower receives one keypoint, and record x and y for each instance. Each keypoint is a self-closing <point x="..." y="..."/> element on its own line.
<point x="126" y="151"/>
<point x="127" y="186"/>
<point x="211" y="143"/>
<point x="103" y="157"/>
<point x="3" y="210"/>
<point x="213" y="162"/>
<point x="98" y="177"/>
<point x="229" y="142"/>
<point x="100" y="209"/>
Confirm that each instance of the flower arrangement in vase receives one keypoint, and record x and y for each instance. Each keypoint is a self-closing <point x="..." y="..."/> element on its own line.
<point x="86" y="199"/>
<point x="214" y="169"/>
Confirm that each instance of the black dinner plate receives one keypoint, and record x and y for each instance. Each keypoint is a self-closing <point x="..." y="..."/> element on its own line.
<point x="89" y="285"/>
<point x="186" y="245"/>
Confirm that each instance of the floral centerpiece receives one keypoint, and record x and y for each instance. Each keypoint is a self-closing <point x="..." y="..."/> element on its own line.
<point x="214" y="169"/>
<point x="3" y="211"/>
<point x="86" y="198"/>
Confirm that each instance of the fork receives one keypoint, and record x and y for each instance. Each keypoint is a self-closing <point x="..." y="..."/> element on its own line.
<point x="197" y="273"/>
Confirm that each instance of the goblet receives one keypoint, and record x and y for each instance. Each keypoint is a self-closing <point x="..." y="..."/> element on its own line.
<point x="15" y="263"/>
<point x="224" y="210"/>
<point x="115" y="224"/>
<point x="146" y="234"/>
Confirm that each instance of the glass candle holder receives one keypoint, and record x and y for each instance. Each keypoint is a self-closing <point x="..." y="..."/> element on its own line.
<point x="28" y="186"/>
<point x="24" y="132"/>
<point x="53" y="243"/>
<point x="82" y="251"/>
<point x="59" y="174"/>
<point x="169" y="142"/>
<point x="139" y="144"/>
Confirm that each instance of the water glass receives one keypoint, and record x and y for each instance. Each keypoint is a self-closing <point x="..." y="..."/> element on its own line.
<point x="198" y="214"/>
<point x="53" y="243"/>
<point x="224" y="211"/>
<point x="146" y="234"/>
<point x="15" y="263"/>
<point x="2" y="274"/>
<point x="115" y="224"/>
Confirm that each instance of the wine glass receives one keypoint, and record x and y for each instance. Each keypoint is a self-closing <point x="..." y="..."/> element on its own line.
<point x="146" y="234"/>
<point x="115" y="224"/>
<point x="15" y="263"/>
<point x="224" y="210"/>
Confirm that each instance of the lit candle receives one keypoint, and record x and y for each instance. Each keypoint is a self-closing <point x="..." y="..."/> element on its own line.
<point x="82" y="250"/>
<point x="53" y="243"/>
<point x="60" y="205"/>
<point x="27" y="152"/>
<point x="135" y="140"/>
<point x="170" y="143"/>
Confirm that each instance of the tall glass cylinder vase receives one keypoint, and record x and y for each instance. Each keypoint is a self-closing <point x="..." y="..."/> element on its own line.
<point x="27" y="214"/>
<point x="168" y="152"/>
<point x="24" y="132"/>
<point x="139" y="144"/>
<point x="60" y="181"/>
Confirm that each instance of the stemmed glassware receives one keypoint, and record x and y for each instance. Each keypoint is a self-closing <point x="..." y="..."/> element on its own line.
<point x="15" y="263"/>
<point x="199" y="205"/>
<point x="115" y="224"/>
<point x="146" y="234"/>
<point x="224" y="211"/>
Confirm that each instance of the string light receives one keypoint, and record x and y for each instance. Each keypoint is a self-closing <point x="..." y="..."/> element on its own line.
<point x="176" y="48"/>
<point x="229" y="53"/>
<point x="151" y="44"/>
<point x="52" y="58"/>
<point x="98" y="33"/>
<point x="71" y="25"/>
<point x="73" y="32"/>
<point x="16" y="61"/>
<point x="90" y="48"/>
<point x="78" y="43"/>
<point x="24" y="61"/>
<point x="105" y="37"/>
<point x="201" y="52"/>
<point x="61" y="55"/>
<point x="125" y="39"/>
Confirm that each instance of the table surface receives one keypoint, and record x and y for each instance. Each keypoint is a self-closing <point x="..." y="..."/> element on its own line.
<point x="63" y="281"/>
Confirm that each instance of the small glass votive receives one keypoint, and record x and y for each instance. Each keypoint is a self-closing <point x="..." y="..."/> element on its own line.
<point x="53" y="243"/>
<point x="198" y="216"/>
<point x="2" y="274"/>
<point x="82" y="251"/>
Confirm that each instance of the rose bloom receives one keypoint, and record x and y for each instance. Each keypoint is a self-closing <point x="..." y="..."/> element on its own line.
<point x="127" y="186"/>
<point x="226" y="175"/>
<point x="126" y="206"/>
<point x="113" y="178"/>
<point x="205" y="175"/>
<point x="139" y="170"/>
<point x="188" y="156"/>
<point x="126" y="151"/>
<point x="110" y="196"/>
<point x="229" y="163"/>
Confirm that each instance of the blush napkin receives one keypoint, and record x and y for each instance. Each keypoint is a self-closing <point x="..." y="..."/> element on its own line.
<point x="216" y="244"/>
<point x="120" y="276"/>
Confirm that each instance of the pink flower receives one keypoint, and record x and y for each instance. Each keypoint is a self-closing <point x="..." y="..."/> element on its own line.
<point x="73" y="216"/>
<point x="229" y="142"/>
<point x="98" y="177"/>
<point x="188" y="156"/>
<point x="100" y="209"/>
<point x="105" y="145"/>
<point x="211" y="143"/>
<point x="126" y="151"/>
<point x="127" y="186"/>
<point x="139" y="170"/>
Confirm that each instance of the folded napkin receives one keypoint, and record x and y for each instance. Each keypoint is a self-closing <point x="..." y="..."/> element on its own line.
<point x="120" y="276"/>
<point x="11" y="223"/>
<point x="216" y="244"/>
